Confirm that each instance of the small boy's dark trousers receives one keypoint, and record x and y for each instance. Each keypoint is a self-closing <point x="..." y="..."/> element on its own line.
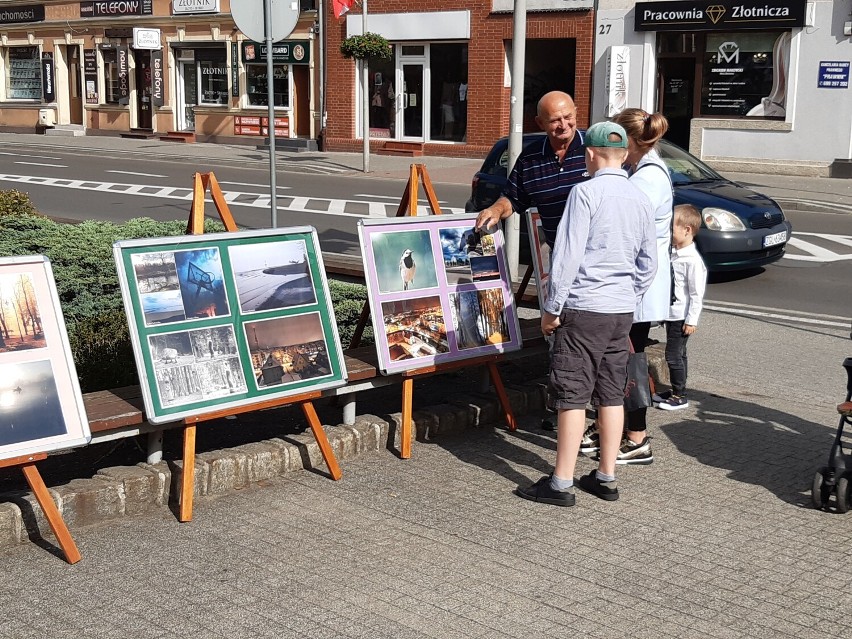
<point x="676" y="356"/>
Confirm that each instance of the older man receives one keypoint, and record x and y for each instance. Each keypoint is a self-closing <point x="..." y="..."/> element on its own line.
<point x="545" y="172"/>
<point x="544" y="175"/>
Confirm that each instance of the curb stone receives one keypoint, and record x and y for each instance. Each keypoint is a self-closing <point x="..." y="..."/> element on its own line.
<point x="130" y="490"/>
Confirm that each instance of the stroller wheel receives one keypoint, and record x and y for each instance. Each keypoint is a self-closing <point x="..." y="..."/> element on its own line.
<point x="842" y="495"/>
<point x="818" y="497"/>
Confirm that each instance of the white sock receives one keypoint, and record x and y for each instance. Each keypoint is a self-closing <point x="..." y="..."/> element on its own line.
<point x="560" y="485"/>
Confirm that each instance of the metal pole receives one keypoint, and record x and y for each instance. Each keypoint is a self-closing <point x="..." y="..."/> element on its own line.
<point x="270" y="97"/>
<point x="516" y="125"/>
<point x="365" y="98"/>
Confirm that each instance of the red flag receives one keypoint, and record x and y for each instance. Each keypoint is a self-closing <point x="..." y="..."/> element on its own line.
<point x="340" y="7"/>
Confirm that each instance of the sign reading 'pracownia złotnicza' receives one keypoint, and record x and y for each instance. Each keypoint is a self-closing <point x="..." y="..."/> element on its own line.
<point x="726" y="15"/>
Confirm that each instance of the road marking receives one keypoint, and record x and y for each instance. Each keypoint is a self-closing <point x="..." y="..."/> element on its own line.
<point x="260" y="186"/>
<point x="58" y="166"/>
<point x="394" y="198"/>
<point x="307" y="204"/>
<point x="154" y="175"/>
<point x="814" y="252"/>
<point x="24" y="155"/>
<point x="847" y="208"/>
<point x="800" y="317"/>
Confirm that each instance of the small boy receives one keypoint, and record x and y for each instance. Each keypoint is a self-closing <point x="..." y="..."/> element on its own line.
<point x="603" y="261"/>
<point x="690" y="281"/>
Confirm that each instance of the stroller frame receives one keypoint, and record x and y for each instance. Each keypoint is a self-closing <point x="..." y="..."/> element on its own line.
<point x="835" y="478"/>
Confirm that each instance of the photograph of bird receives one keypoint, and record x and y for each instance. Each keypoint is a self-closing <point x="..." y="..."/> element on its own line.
<point x="407" y="267"/>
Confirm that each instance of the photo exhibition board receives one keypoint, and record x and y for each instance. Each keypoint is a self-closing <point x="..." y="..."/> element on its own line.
<point x="540" y="251"/>
<point x="228" y="319"/>
<point x="439" y="291"/>
<point x="41" y="407"/>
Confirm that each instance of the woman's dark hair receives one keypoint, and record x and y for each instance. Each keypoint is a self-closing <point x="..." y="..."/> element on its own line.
<point x="644" y="128"/>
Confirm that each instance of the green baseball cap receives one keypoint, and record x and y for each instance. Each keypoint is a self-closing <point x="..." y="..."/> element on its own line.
<point x="599" y="135"/>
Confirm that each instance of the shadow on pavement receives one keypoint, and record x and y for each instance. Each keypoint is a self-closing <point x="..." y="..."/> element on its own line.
<point x="757" y="444"/>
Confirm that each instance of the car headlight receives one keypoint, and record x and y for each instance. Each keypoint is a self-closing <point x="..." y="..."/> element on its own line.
<point x="721" y="220"/>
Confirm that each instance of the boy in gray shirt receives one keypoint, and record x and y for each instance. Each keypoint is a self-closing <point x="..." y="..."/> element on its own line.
<point x="603" y="261"/>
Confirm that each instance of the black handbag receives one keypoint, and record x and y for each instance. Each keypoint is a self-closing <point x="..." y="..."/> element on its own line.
<point x="637" y="391"/>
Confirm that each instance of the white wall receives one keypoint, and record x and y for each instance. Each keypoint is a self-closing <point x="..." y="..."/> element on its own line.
<point x="819" y="121"/>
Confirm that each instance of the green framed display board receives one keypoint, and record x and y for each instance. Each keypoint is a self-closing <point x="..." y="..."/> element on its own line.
<point x="228" y="319"/>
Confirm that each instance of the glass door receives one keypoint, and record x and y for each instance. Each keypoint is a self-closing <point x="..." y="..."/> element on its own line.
<point x="410" y="101"/>
<point x="187" y="95"/>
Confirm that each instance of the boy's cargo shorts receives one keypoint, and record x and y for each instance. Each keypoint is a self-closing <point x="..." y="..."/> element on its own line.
<point x="589" y="359"/>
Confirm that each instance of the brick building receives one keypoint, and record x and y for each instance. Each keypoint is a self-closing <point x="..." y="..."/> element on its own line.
<point x="447" y="89"/>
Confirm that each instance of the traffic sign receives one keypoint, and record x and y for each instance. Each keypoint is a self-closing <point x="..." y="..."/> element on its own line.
<point x="249" y="18"/>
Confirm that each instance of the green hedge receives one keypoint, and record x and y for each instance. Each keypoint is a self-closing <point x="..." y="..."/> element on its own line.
<point x="87" y="283"/>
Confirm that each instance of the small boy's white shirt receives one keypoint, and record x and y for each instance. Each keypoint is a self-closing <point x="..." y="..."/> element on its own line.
<point x="690" y="282"/>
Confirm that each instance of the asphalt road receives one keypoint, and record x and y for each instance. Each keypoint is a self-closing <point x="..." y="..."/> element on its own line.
<point x="808" y="287"/>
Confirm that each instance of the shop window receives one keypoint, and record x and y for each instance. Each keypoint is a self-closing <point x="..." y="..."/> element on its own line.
<point x="110" y="58"/>
<point x="258" y="88"/>
<point x="448" y="109"/>
<point x="382" y="99"/>
<point x="23" y="73"/>
<point x="213" y="71"/>
<point x="745" y="74"/>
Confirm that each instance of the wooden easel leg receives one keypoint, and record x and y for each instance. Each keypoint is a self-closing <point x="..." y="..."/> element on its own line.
<point x="405" y="428"/>
<point x="501" y="393"/>
<point x="325" y="446"/>
<point x="187" y="484"/>
<point x="57" y="524"/>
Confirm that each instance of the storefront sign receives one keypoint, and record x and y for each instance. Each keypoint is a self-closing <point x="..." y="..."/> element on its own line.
<point x="158" y="80"/>
<point x="727" y="15"/>
<point x="833" y="75"/>
<point x="146" y="38"/>
<point x="617" y="73"/>
<point x="48" y="90"/>
<point x="180" y="7"/>
<point x="26" y="13"/>
<point x="235" y="71"/>
<point x="90" y="75"/>
<point x="102" y="8"/>
<point x="289" y="52"/>
<point x="122" y="54"/>
<point x="256" y="125"/>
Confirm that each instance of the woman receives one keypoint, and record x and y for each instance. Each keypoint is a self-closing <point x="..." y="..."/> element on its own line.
<point x="649" y="173"/>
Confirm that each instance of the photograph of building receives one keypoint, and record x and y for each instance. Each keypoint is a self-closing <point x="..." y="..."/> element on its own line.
<point x="415" y="328"/>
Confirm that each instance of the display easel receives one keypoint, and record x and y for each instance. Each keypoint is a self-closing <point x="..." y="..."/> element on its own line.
<point x="51" y="512"/>
<point x="203" y="181"/>
<point x="408" y="207"/>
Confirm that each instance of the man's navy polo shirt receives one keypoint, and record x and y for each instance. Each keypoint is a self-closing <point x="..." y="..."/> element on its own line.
<point x="539" y="180"/>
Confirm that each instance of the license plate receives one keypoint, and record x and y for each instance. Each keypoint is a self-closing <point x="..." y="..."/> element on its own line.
<point x="775" y="238"/>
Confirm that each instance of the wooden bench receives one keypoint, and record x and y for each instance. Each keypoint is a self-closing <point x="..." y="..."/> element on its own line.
<point x="118" y="413"/>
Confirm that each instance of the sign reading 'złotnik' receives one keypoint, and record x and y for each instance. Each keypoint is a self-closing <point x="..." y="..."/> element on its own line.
<point x="726" y="15"/>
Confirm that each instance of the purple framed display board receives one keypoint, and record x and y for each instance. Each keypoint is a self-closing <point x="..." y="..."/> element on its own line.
<point x="439" y="291"/>
<point x="41" y="408"/>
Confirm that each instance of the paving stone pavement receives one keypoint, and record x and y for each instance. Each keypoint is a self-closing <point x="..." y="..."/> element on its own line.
<point x="712" y="540"/>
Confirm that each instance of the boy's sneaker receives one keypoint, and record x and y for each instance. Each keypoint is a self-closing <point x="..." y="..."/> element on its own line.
<point x="549" y="422"/>
<point x="658" y="398"/>
<point x="606" y="490"/>
<point x="675" y="402"/>
<point x="542" y="492"/>
<point x="591" y="439"/>
<point x="632" y="453"/>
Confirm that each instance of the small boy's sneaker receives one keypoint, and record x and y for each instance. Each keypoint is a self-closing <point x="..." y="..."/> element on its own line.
<point x="632" y="453"/>
<point x="661" y="397"/>
<point x="674" y="402"/>
<point x="606" y="490"/>
<point x="542" y="491"/>
<point x="591" y="439"/>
